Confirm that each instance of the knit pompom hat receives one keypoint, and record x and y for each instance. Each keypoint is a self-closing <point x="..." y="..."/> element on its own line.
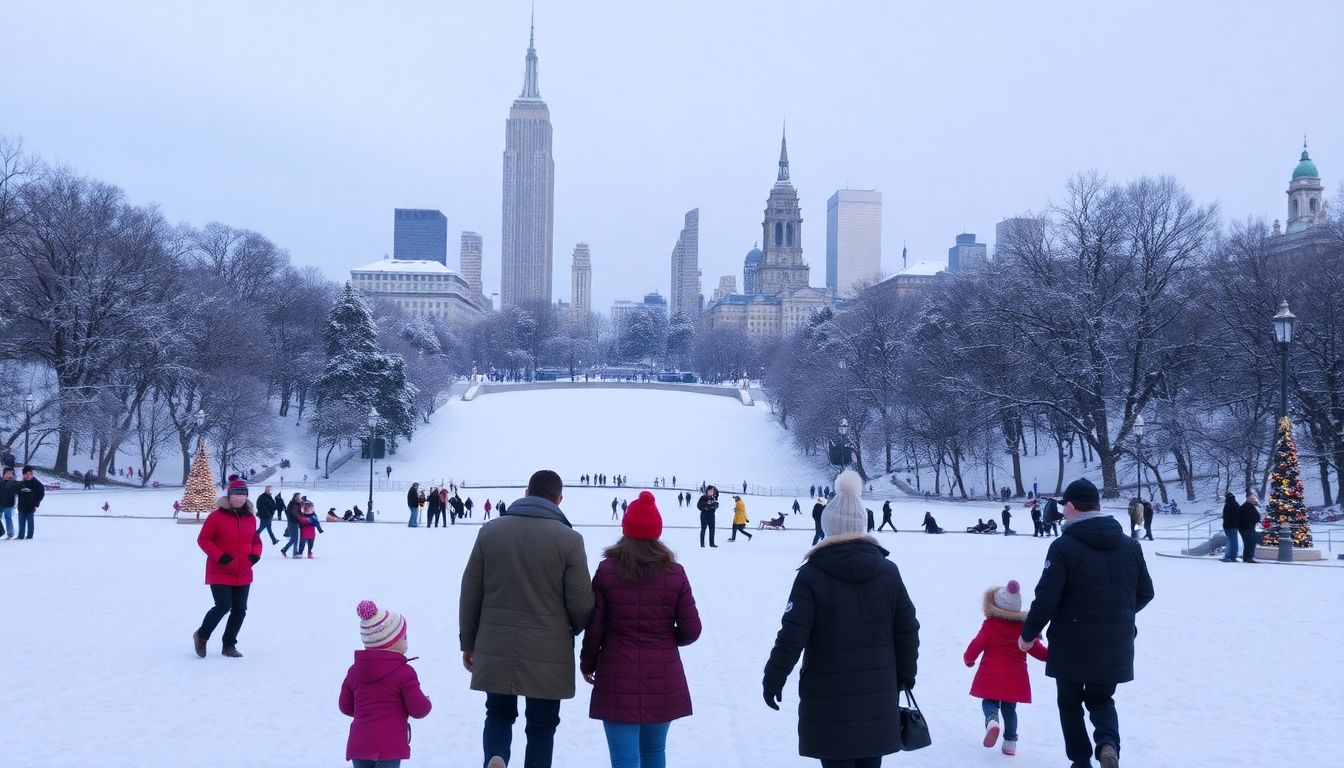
<point x="378" y="628"/>
<point x="237" y="486"/>
<point x="844" y="513"/>
<point x="642" y="519"/>
<point x="1009" y="597"/>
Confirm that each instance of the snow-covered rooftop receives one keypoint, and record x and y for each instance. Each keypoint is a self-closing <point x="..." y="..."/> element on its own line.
<point x="924" y="267"/>
<point x="418" y="266"/>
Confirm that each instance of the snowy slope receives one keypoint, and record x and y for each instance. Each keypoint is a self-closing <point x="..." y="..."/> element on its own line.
<point x="99" y="613"/>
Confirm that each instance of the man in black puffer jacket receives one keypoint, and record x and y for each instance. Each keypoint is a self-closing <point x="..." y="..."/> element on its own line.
<point x="266" y="514"/>
<point x="851" y="619"/>
<point x="1095" y="580"/>
<point x="708" y="504"/>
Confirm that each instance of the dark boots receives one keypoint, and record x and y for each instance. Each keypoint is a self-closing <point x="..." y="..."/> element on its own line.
<point x="199" y="642"/>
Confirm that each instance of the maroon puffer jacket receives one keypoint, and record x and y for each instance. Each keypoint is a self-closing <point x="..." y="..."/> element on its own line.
<point x="631" y="643"/>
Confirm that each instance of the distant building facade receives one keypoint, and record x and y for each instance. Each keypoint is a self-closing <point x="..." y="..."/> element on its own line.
<point x="420" y="233"/>
<point x="853" y="239"/>
<point x="966" y="253"/>
<point x="529" y="195"/>
<point x="750" y="264"/>
<point x="1018" y="233"/>
<point x="655" y="301"/>
<point x="469" y="265"/>
<point x="421" y="287"/>
<point x="1306" y="211"/>
<point x="782" y="266"/>
<point x="686" y="267"/>
<point x="727" y="285"/>
<point x="581" y="280"/>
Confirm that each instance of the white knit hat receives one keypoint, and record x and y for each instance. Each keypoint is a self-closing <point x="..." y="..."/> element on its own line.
<point x="378" y="628"/>
<point x="1009" y="597"/>
<point x="845" y="513"/>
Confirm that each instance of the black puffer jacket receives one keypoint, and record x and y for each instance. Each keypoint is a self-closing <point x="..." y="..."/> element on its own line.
<point x="1250" y="515"/>
<point x="265" y="506"/>
<point x="707" y="505"/>
<point x="1095" y="580"/>
<point x="1231" y="512"/>
<point x="852" y="620"/>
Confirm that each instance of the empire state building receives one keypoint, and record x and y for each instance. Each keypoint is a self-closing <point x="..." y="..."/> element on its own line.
<point x="529" y="195"/>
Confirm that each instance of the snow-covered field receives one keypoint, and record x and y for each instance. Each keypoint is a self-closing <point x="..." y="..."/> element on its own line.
<point x="1237" y="665"/>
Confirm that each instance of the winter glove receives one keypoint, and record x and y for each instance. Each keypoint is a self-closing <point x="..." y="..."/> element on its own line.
<point x="225" y="559"/>
<point x="907" y="684"/>
<point x="1024" y="645"/>
<point x="253" y="559"/>
<point x="772" y="698"/>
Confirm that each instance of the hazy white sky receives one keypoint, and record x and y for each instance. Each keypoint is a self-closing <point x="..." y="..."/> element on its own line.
<point x="310" y="120"/>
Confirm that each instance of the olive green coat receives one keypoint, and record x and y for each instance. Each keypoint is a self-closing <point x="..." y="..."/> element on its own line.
<point x="526" y="594"/>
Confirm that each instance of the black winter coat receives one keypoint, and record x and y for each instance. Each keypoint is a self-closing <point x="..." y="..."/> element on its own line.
<point x="817" y="509"/>
<point x="30" y="494"/>
<point x="9" y="492"/>
<point x="707" y="505"/>
<point x="851" y="618"/>
<point x="1250" y="516"/>
<point x="1231" y="512"/>
<point x="1095" y="580"/>
<point x="265" y="507"/>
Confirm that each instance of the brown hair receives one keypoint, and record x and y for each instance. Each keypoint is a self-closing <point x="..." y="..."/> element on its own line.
<point x="640" y="559"/>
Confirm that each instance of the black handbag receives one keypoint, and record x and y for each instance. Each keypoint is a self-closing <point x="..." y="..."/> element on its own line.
<point x="914" y="730"/>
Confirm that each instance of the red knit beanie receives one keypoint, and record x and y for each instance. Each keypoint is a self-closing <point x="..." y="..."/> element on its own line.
<point x="642" y="520"/>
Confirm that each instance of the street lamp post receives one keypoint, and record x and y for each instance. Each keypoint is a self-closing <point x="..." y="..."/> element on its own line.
<point x="1283" y="337"/>
<point x="1138" y="456"/>
<point x="27" y="424"/>
<point x="373" y="425"/>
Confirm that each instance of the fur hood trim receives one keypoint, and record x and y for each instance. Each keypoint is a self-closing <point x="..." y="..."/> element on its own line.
<point x="841" y="538"/>
<point x="993" y="611"/>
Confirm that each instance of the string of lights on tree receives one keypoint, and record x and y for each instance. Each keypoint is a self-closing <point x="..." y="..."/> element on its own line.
<point x="199" y="495"/>
<point x="1287" y="508"/>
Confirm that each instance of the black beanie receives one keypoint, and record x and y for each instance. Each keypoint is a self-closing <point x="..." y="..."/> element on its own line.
<point x="1083" y="494"/>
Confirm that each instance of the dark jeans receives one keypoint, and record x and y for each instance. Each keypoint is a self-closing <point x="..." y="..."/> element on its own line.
<point x="230" y="600"/>
<point x="742" y="529"/>
<point x="1249" y="539"/>
<point x="304" y="543"/>
<point x="1148" y="527"/>
<point x="818" y="536"/>
<point x="501" y="710"/>
<point x="1100" y="701"/>
<point x="863" y="762"/>
<point x="706" y="524"/>
<point x="376" y="763"/>
<point x="886" y="521"/>
<point x="433" y="518"/>
<point x="292" y="536"/>
<point x="25" y="525"/>
<point x="265" y="525"/>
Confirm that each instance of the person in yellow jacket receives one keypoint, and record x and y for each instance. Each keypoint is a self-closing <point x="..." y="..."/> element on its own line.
<point x="739" y="519"/>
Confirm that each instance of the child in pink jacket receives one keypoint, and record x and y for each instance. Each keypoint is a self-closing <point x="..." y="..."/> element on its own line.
<point x="381" y="691"/>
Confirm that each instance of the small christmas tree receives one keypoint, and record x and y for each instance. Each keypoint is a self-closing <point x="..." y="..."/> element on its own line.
<point x="199" y="495"/>
<point x="1287" y="508"/>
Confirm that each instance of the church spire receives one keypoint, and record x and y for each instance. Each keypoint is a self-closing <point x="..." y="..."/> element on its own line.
<point x="530" y="89"/>
<point x="784" y="154"/>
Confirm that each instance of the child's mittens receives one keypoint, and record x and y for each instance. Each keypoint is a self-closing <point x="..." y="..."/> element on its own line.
<point x="225" y="559"/>
<point x="253" y="559"/>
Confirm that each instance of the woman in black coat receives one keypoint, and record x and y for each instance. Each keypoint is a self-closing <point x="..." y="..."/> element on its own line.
<point x="1231" y="526"/>
<point x="851" y="619"/>
<point x="1250" y="518"/>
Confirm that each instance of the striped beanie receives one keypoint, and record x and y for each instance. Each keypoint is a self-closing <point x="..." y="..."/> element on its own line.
<point x="238" y="486"/>
<point x="378" y="628"/>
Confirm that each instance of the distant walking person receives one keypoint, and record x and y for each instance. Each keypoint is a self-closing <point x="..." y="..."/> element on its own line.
<point x="292" y="511"/>
<point x="266" y="514"/>
<point x="1231" y="526"/>
<point x="1250" y="518"/>
<point x="886" y="517"/>
<point x="817" y="509"/>
<point x="796" y="507"/>
<point x="615" y="504"/>
<point x="708" y="504"/>
<point x="413" y="500"/>
<point x="232" y="546"/>
<point x="1095" y="581"/>
<point x="30" y="495"/>
<point x="1007" y="515"/>
<point x="1148" y="520"/>
<point x="739" y="519"/>
<point x="9" y="494"/>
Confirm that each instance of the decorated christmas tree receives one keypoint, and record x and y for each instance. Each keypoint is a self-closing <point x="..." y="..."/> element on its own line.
<point x="199" y="495"/>
<point x="1287" y="510"/>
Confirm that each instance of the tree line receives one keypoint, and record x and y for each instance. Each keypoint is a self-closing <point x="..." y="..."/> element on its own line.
<point x="1121" y="300"/>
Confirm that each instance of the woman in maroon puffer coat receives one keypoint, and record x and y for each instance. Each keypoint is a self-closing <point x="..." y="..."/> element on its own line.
<point x="643" y="612"/>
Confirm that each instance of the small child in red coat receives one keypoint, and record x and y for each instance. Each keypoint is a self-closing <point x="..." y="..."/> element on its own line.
<point x="1001" y="682"/>
<point x="381" y="691"/>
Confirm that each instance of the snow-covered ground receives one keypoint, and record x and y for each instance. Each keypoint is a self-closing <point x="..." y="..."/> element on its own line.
<point x="1237" y="665"/>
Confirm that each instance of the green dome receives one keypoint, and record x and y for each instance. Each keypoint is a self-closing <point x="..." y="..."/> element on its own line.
<point x="1305" y="168"/>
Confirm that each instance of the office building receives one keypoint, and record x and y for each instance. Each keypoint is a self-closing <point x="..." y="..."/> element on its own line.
<point x="581" y="280"/>
<point x="853" y="239"/>
<point x="419" y="234"/>
<point x="686" y="267"/>
<point x="529" y="195"/>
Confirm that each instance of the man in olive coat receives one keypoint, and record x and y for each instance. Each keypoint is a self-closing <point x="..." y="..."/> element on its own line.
<point x="526" y="593"/>
<point x="1095" y="581"/>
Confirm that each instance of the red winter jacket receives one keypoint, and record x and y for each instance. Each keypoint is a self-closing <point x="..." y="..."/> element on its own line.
<point x="1003" y="671"/>
<point x="631" y="643"/>
<point x="229" y="531"/>
<point x="380" y="691"/>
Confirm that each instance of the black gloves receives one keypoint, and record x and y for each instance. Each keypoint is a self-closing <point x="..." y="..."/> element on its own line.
<point x="906" y="684"/>
<point x="772" y="698"/>
<point x="225" y="559"/>
<point x="253" y="559"/>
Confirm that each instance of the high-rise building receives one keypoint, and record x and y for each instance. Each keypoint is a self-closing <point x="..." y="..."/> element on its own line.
<point x="1017" y="234"/>
<point x="469" y="264"/>
<point x="581" y="280"/>
<point x="727" y="285"/>
<point x="419" y="233"/>
<point x="529" y="194"/>
<point x="782" y="266"/>
<point x="686" y="267"/>
<point x="966" y="253"/>
<point x="853" y="239"/>
<point x="656" y="301"/>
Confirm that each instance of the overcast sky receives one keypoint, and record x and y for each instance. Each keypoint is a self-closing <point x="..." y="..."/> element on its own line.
<point x="309" y="121"/>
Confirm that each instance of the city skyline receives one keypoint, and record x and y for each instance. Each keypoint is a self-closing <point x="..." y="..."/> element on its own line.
<point x="311" y="146"/>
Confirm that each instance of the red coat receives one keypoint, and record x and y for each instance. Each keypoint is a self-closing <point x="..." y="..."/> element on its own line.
<point x="631" y="643"/>
<point x="380" y="691"/>
<point x="1003" y="670"/>
<point x="228" y="531"/>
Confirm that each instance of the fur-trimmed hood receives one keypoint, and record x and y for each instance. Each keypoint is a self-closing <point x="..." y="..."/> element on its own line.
<point x="993" y="611"/>
<point x="248" y="509"/>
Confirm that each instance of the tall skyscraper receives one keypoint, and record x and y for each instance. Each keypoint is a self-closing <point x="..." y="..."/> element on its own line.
<point x="727" y="285"/>
<point x="529" y="194"/>
<point x="1021" y="235"/>
<point x="966" y="253"/>
<point x="581" y="281"/>
<point x="782" y="266"/>
<point x="420" y="234"/>
<point x="469" y="263"/>
<point x="686" y="267"/>
<point x="853" y="239"/>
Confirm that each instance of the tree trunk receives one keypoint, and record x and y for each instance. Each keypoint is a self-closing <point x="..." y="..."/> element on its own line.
<point x="1323" y="464"/>
<point x="62" y="465"/>
<point x="1059" y="481"/>
<point x="1109" y="478"/>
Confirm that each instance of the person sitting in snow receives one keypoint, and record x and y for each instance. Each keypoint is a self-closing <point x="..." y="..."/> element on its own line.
<point x="979" y="526"/>
<point x="931" y="525"/>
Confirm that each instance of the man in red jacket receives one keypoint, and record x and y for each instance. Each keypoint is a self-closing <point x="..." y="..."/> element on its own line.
<point x="232" y="546"/>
